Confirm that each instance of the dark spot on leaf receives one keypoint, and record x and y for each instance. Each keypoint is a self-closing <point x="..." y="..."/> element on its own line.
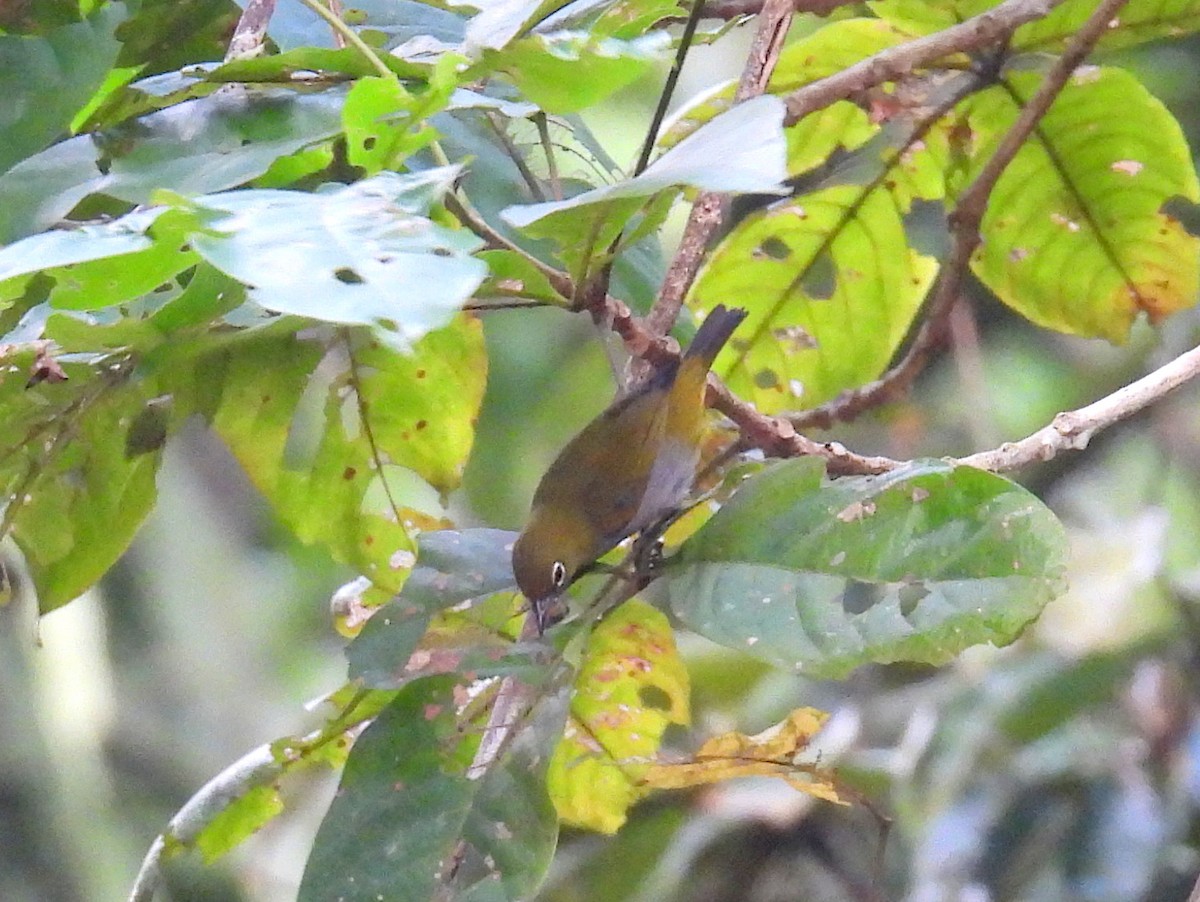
<point x="385" y="259"/>
<point x="185" y="247"/>
<point x="910" y="596"/>
<point x="165" y="286"/>
<point x="773" y="248"/>
<point x="443" y="252"/>
<point x="369" y="143"/>
<point x="766" y="379"/>
<point x="148" y="431"/>
<point x="368" y="540"/>
<point x="420" y="374"/>
<point x="245" y="142"/>
<point x="349" y="473"/>
<point x="819" y="280"/>
<point x="347" y="276"/>
<point x="421" y="424"/>
<point x="860" y="597"/>
<point x="654" y="697"/>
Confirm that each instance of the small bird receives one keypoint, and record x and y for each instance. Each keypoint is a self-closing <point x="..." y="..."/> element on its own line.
<point x="628" y="469"/>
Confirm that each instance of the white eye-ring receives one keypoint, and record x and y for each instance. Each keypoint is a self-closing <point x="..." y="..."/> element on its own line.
<point x="558" y="574"/>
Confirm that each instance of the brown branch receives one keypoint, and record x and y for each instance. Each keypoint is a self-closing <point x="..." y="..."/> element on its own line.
<point x="710" y="207"/>
<point x="251" y="30"/>
<point x="995" y="25"/>
<point x="733" y="9"/>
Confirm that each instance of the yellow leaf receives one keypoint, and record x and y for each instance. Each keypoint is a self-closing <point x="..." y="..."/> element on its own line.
<point x="771" y="753"/>
<point x="631" y="686"/>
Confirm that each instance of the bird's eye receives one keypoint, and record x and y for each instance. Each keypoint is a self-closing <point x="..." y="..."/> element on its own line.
<point x="558" y="574"/>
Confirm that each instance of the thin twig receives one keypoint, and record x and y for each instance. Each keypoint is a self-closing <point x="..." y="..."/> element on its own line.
<point x="709" y="209"/>
<point x="668" y="91"/>
<point x="1072" y="430"/>
<point x="351" y="37"/>
<point x="513" y="700"/>
<point x="543" y="127"/>
<point x="468" y="216"/>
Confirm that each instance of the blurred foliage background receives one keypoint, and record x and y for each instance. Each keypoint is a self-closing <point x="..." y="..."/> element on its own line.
<point x="1066" y="767"/>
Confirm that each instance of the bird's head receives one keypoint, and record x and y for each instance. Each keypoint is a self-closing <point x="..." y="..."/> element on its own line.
<point x="551" y="550"/>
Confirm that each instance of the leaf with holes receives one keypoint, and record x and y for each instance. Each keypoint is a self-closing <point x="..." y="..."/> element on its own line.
<point x="914" y="565"/>
<point x="319" y="424"/>
<point x="453" y="567"/>
<point x="831" y="287"/>
<point x="76" y="491"/>
<point x="1074" y="237"/>
<point x="407" y="821"/>
<point x="195" y="147"/>
<point x="631" y="686"/>
<point x="358" y="254"/>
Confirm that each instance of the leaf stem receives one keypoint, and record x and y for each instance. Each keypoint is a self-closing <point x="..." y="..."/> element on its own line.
<point x="351" y="37"/>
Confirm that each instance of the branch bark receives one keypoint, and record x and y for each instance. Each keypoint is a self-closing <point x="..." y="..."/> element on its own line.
<point x="1072" y="430"/>
<point x="710" y="208"/>
<point x="997" y="24"/>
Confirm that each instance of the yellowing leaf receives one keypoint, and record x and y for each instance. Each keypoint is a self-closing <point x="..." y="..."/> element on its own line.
<point x="1074" y="238"/>
<point x="631" y="686"/>
<point x="771" y="753"/>
<point x="831" y="287"/>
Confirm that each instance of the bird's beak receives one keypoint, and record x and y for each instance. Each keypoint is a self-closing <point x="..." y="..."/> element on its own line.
<point x="548" y="611"/>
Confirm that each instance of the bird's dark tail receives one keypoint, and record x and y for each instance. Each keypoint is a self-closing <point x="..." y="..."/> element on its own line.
<point x="713" y="333"/>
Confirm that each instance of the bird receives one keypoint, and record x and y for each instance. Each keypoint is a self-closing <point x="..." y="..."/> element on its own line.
<point x="630" y="467"/>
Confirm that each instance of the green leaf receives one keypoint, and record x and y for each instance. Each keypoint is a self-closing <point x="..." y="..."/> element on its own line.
<point x="1136" y="22"/>
<point x="453" y="566"/>
<point x="281" y="66"/>
<point x="568" y="71"/>
<point x="117" y="101"/>
<point x="358" y="254"/>
<point x="631" y="18"/>
<point x="75" y="496"/>
<point x="245" y="796"/>
<point x="510" y="273"/>
<point x="741" y="150"/>
<point x="1074" y="238"/>
<point x="499" y="21"/>
<point x="914" y="565"/>
<point x="318" y="442"/>
<point x="195" y="147"/>
<point x="831" y="287"/>
<point x="385" y="123"/>
<point x="45" y="79"/>
<point x="406" y="812"/>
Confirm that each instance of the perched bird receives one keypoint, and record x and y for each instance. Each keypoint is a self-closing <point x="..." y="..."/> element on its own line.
<point x="630" y="467"/>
